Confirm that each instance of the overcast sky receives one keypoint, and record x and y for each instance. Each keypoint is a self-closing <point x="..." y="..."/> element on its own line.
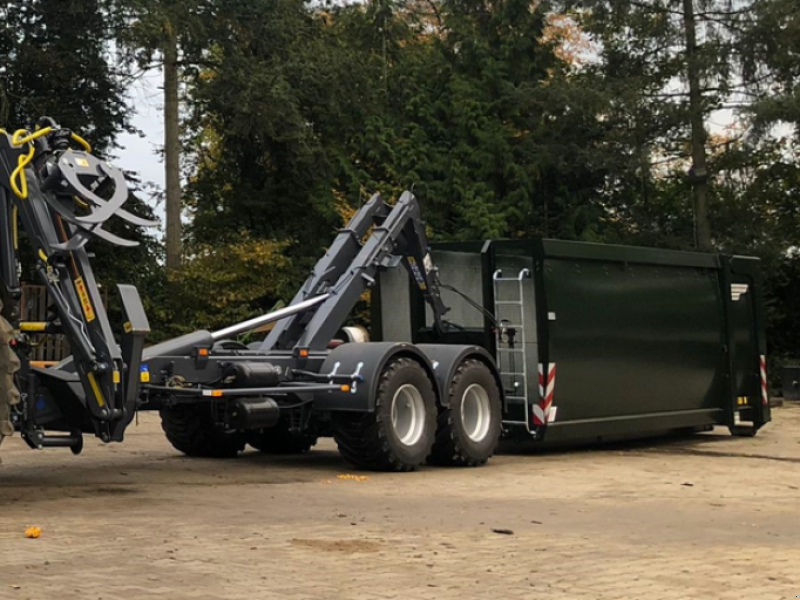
<point x="141" y="154"/>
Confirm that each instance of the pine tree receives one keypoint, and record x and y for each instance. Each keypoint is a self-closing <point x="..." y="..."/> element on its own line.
<point x="168" y="34"/>
<point x="268" y="83"/>
<point x="667" y="66"/>
<point x="771" y="46"/>
<point x="54" y="61"/>
<point x="475" y="111"/>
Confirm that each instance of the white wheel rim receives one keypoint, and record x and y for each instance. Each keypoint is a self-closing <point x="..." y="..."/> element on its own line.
<point x="408" y="414"/>
<point x="476" y="414"/>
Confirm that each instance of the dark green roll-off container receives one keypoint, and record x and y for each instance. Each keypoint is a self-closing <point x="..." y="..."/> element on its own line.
<point x="597" y="341"/>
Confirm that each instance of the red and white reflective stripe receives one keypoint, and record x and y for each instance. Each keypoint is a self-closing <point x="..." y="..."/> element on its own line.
<point x="542" y="410"/>
<point x="764" y="391"/>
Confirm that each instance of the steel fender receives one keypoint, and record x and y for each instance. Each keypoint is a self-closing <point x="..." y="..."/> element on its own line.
<point x="367" y="360"/>
<point x="445" y="358"/>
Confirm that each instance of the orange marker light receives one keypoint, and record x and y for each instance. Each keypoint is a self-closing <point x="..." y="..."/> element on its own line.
<point x="303" y="353"/>
<point x="345" y="388"/>
<point x="203" y="351"/>
<point x="216" y="393"/>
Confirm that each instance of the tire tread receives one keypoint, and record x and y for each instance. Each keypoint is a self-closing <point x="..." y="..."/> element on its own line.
<point x="448" y="449"/>
<point x="361" y="437"/>
<point x="194" y="433"/>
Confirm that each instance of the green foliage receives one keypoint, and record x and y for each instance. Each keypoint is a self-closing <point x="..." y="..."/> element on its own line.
<point x="55" y="61"/>
<point x="223" y="284"/>
<point x="474" y="111"/>
<point x="145" y="25"/>
<point x="772" y="47"/>
<point x="294" y="108"/>
<point x="641" y="72"/>
<point x="256" y="105"/>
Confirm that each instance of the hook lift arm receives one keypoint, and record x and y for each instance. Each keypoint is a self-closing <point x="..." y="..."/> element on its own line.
<point x="349" y="268"/>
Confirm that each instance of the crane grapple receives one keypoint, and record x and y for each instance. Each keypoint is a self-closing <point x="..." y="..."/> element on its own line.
<point x="62" y="195"/>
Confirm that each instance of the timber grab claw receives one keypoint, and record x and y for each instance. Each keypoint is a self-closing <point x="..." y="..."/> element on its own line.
<point x="82" y="189"/>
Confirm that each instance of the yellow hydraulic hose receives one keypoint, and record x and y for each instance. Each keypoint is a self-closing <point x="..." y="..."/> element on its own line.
<point x="22" y="136"/>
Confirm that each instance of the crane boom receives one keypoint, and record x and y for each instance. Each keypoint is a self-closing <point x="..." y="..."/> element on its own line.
<point x="350" y="267"/>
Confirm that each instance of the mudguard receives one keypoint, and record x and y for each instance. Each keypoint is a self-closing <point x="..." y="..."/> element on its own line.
<point x="365" y="362"/>
<point x="445" y="359"/>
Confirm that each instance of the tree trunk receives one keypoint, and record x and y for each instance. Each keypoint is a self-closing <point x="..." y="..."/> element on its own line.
<point x="172" y="148"/>
<point x="698" y="175"/>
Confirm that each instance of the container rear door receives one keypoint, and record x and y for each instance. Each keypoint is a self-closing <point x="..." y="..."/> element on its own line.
<point x="744" y="351"/>
<point x="748" y="357"/>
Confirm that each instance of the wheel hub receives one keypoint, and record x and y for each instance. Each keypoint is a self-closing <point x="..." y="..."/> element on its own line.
<point x="476" y="416"/>
<point x="408" y="414"/>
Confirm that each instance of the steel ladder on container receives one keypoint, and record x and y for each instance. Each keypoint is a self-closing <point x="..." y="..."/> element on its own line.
<point x="512" y="360"/>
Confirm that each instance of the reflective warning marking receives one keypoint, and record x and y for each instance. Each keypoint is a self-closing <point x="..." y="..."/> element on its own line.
<point x="544" y="412"/>
<point x="98" y="395"/>
<point x="83" y="295"/>
<point x="417" y="273"/>
<point x="737" y="290"/>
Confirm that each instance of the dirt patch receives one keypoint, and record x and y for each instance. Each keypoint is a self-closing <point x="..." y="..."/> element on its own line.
<point x="341" y="546"/>
<point x="695" y="452"/>
<point x="108" y="490"/>
<point x="610" y="522"/>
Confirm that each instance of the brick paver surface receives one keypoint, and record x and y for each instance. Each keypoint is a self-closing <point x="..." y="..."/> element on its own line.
<point x="697" y="518"/>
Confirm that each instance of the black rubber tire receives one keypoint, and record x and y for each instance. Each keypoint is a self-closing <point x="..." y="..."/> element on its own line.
<point x="369" y="440"/>
<point x="191" y="429"/>
<point x="280" y="440"/>
<point x="453" y="447"/>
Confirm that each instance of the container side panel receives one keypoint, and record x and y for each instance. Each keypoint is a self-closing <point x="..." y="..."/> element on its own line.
<point x="461" y="270"/>
<point x="395" y="308"/>
<point x="633" y="339"/>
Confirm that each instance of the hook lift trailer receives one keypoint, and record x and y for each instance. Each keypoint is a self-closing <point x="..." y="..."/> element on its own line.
<point x="388" y="405"/>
